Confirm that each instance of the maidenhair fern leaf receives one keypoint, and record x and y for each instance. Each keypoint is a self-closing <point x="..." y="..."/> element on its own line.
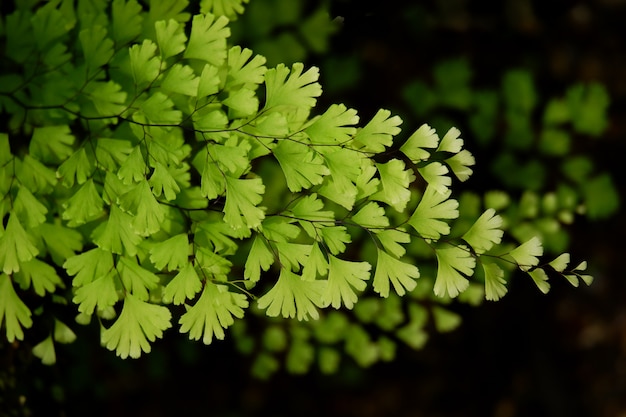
<point x="184" y="286"/>
<point x="540" y="278"/>
<point x="417" y="147"/>
<point x="147" y="214"/>
<point x="302" y="166"/>
<point x="29" y="209"/>
<point x="116" y="234"/>
<point x="485" y="232"/>
<point x="432" y="208"/>
<point x="45" y="351"/>
<point x="402" y="275"/>
<point x="181" y="79"/>
<point x="435" y="174"/>
<point x="207" y="40"/>
<point x="340" y="185"/>
<point x="209" y="81"/>
<point x="560" y="262"/>
<point x="228" y="8"/>
<point x="126" y="20"/>
<point x="212" y="313"/>
<point x="158" y="109"/>
<point x="344" y="277"/>
<point x="111" y="153"/>
<point x="108" y="98"/>
<point x="460" y="164"/>
<point x="77" y="168"/>
<point x="315" y="265"/>
<point x="134" y="168"/>
<point x="51" y="144"/>
<point x="242" y="102"/>
<point x="494" y="281"/>
<point x="371" y="216"/>
<point x="451" y="142"/>
<point x="244" y="71"/>
<point x="97" y="47"/>
<point x="172" y="252"/>
<point x="526" y="254"/>
<point x="35" y="175"/>
<point x="170" y="37"/>
<point x="451" y="263"/>
<point x="292" y="88"/>
<point x="89" y="266"/>
<point x="335" y="238"/>
<point x="144" y="64"/>
<point x="391" y="240"/>
<point x="13" y="312"/>
<point x="163" y="183"/>
<point x="38" y="275"/>
<point x="136" y="279"/>
<point x="15" y="246"/>
<point x="378" y="133"/>
<point x="335" y="126"/>
<point x="292" y="296"/>
<point x="61" y="242"/>
<point x="242" y="198"/>
<point x="259" y="258"/>
<point x="395" y="180"/>
<point x="98" y="294"/>
<point x="139" y="324"/>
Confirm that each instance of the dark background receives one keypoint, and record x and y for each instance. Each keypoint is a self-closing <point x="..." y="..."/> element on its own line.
<point x="561" y="354"/>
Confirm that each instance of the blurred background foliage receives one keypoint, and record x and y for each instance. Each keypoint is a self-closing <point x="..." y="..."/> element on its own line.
<point x="539" y="94"/>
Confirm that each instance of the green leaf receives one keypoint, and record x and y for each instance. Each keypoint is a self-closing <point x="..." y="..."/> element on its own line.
<point x="212" y="313"/>
<point x="432" y="207"/>
<point x="242" y="197"/>
<point x="84" y="206"/>
<point x="389" y="269"/>
<point x="15" y="313"/>
<point x="162" y="182"/>
<point x="485" y="232"/>
<point x="302" y="166"/>
<point x="601" y="196"/>
<point x="451" y="142"/>
<point x="77" y="168"/>
<point x="308" y="211"/>
<point x="51" y="144"/>
<point x="209" y="82"/>
<point x="89" y="266"/>
<point x="340" y="185"/>
<point x="588" y="106"/>
<point x="560" y="262"/>
<point x="111" y="153"/>
<point x="207" y="40"/>
<point x="435" y="174"/>
<point x="134" y="168"/>
<point x="158" y="109"/>
<point x="29" y="209"/>
<point x="335" y="238"/>
<point x="99" y="293"/>
<point x="243" y="71"/>
<point x="61" y="242"/>
<point x="44" y="350"/>
<point x="495" y="287"/>
<point x="525" y="255"/>
<point x="97" y="47"/>
<point x="144" y="64"/>
<point x="40" y="275"/>
<point x="15" y="246"/>
<point x="228" y="8"/>
<point x="138" y="324"/>
<point x="126" y="20"/>
<point x="108" y="98"/>
<point x="344" y="277"/>
<point x="259" y="258"/>
<point x="185" y="285"/>
<point x="451" y="263"/>
<point x="390" y="240"/>
<point x="243" y="102"/>
<point x="315" y="265"/>
<point x="182" y="80"/>
<point x="395" y="181"/>
<point x="460" y="164"/>
<point x="371" y="216"/>
<point x="35" y="175"/>
<point x="417" y="146"/>
<point x="172" y="252"/>
<point x="540" y="278"/>
<point x="334" y="126"/>
<point x="170" y="37"/>
<point x="116" y="234"/>
<point x="291" y="88"/>
<point x="445" y="320"/>
<point x="148" y="215"/>
<point x="292" y="296"/>
<point x="136" y="279"/>
<point x="378" y="133"/>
